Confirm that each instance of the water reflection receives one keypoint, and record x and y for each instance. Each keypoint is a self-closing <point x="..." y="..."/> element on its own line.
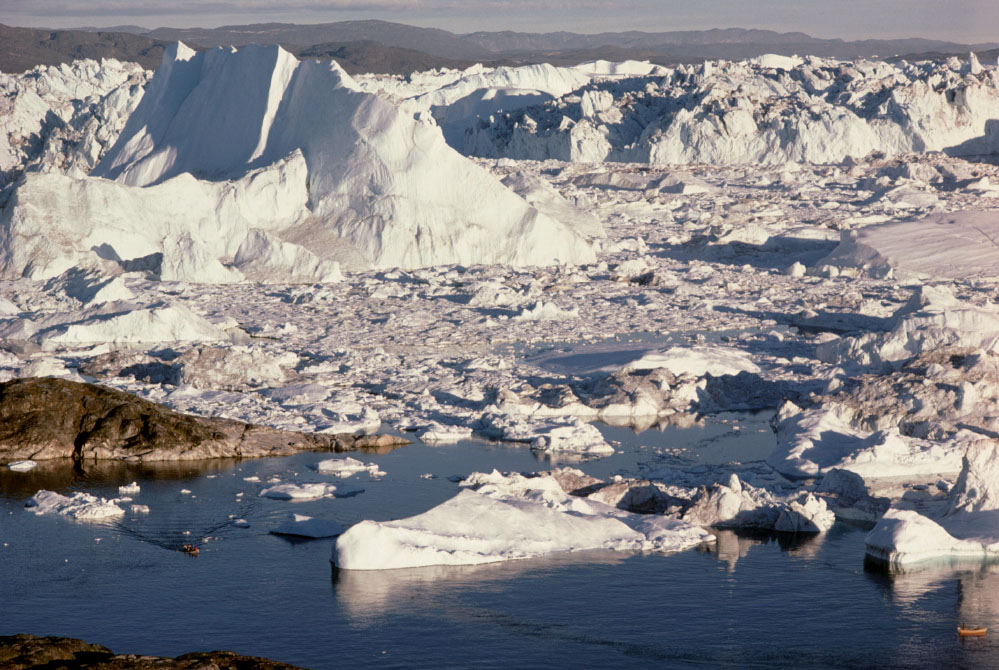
<point x="732" y="545"/>
<point x="62" y="475"/>
<point x="366" y="596"/>
<point x="977" y="588"/>
<point x="978" y="598"/>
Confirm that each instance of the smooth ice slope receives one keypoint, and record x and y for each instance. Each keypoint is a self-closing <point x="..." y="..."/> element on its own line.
<point x="959" y="245"/>
<point x="377" y="178"/>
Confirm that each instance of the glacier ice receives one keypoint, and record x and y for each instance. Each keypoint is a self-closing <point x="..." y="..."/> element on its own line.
<point x="283" y="168"/>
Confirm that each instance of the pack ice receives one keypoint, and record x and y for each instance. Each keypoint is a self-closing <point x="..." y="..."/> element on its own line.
<point x="764" y="111"/>
<point x="251" y="164"/>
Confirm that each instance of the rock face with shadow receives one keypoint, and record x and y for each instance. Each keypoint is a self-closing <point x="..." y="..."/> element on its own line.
<point x="24" y="652"/>
<point x="54" y="418"/>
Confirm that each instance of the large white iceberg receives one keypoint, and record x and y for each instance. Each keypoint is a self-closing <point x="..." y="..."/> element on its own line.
<point x="507" y="518"/>
<point x="226" y="144"/>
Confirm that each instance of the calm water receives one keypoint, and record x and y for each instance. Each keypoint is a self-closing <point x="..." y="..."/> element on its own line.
<point x="744" y="601"/>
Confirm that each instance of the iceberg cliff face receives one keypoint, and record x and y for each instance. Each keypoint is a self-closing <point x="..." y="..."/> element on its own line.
<point x="376" y="177"/>
<point x="227" y="144"/>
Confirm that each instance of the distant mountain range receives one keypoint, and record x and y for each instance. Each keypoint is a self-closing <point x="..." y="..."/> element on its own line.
<point x="381" y="46"/>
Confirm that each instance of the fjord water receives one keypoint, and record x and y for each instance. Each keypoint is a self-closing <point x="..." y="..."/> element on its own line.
<point x="744" y="601"/>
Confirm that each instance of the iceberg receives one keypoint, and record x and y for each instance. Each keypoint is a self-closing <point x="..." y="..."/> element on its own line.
<point x="967" y="530"/>
<point x="507" y="518"/>
<point x="235" y="158"/>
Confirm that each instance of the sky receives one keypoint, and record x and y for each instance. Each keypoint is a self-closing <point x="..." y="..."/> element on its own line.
<point x="968" y="21"/>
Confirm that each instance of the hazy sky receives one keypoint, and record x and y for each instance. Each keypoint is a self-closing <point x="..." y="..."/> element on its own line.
<point x="958" y="20"/>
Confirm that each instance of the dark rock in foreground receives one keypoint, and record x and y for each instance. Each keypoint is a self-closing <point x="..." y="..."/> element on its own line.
<point x="21" y="652"/>
<point x="43" y="418"/>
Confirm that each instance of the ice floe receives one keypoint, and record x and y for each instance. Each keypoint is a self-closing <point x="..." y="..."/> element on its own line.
<point x="309" y="491"/>
<point x="79" y="506"/>
<point x="347" y="467"/>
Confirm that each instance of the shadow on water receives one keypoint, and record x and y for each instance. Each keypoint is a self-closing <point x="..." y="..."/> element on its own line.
<point x="64" y="475"/>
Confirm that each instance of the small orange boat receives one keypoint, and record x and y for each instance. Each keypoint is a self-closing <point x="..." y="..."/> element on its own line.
<point x="971" y="632"/>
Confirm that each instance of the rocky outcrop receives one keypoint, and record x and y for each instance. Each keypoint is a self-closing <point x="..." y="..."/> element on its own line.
<point x="24" y="652"/>
<point x="54" y="418"/>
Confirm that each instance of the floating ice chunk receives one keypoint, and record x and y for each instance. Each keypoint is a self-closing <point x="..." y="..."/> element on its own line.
<point x="968" y="529"/>
<point x="306" y="526"/>
<point x="346" y="467"/>
<point x="22" y="466"/>
<point x="310" y="491"/>
<point x="437" y="433"/>
<point x="904" y="537"/>
<point x="139" y="509"/>
<point x="808" y="514"/>
<point x="546" y="311"/>
<point x="687" y="186"/>
<point x="549" y="435"/>
<point x="156" y="323"/>
<point x="129" y="489"/>
<point x="576" y="436"/>
<point x="354" y="144"/>
<point x="504" y="521"/>
<point x="240" y="523"/>
<point x="80" y="506"/>
<point x="697" y="361"/>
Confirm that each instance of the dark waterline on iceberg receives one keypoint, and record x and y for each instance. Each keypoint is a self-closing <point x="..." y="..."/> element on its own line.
<point x="746" y="600"/>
